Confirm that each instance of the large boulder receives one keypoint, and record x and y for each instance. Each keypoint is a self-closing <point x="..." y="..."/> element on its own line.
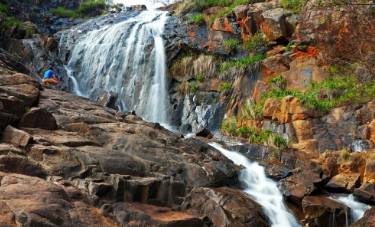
<point x="366" y="193"/>
<point x="38" y="118"/>
<point x="15" y="136"/>
<point x="344" y="182"/>
<point x="296" y="187"/>
<point x="320" y="211"/>
<point x="271" y="106"/>
<point x="368" y="219"/>
<point x="31" y="201"/>
<point x="274" y="24"/>
<point x="137" y="214"/>
<point x="224" y="207"/>
<point x="371" y="126"/>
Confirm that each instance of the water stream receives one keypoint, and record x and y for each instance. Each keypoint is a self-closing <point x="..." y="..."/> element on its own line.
<point x="262" y="189"/>
<point x="357" y="209"/>
<point x="127" y="58"/>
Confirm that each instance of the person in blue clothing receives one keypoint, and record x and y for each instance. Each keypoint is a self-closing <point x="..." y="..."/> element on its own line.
<point x="49" y="77"/>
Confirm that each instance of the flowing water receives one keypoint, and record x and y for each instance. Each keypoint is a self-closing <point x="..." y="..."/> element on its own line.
<point x="357" y="209"/>
<point x="262" y="189"/>
<point x="127" y="58"/>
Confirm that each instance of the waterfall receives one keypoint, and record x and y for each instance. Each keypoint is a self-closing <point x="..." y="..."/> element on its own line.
<point x="127" y="58"/>
<point x="262" y="189"/>
<point x="357" y="209"/>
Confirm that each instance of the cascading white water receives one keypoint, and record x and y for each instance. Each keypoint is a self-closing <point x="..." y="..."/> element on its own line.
<point x="127" y="58"/>
<point x="357" y="209"/>
<point x="262" y="189"/>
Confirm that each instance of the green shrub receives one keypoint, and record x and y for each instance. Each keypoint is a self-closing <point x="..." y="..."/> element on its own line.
<point x="193" y="88"/>
<point x="199" y="5"/>
<point x="243" y="62"/>
<point x="214" y="101"/>
<point x="278" y="82"/>
<point x="225" y="86"/>
<point x="256" y="42"/>
<point x="86" y="5"/>
<point x="333" y="68"/>
<point x="197" y="19"/>
<point x="229" y="125"/>
<point x="62" y="12"/>
<point x="199" y="78"/>
<point x="250" y="110"/>
<point x="231" y="45"/>
<point x="27" y="109"/>
<point x="4" y="9"/>
<point x="294" y="5"/>
<point x="288" y="47"/>
<point x="344" y="154"/>
<point x="9" y="21"/>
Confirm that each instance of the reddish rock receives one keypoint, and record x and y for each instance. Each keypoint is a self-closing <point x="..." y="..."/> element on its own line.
<point x="38" y="118"/>
<point x="303" y="130"/>
<point x="277" y="50"/>
<point x="270" y="107"/>
<point x="366" y="193"/>
<point x="226" y="25"/>
<point x="224" y="207"/>
<point x="303" y="70"/>
<point x="137" y="214"/>
<point x="344" y="182"/>
<point x="308" y="147"/>
<point x="296" y="187"/>
<point x="321" y="210"/>
<point x="260" y="88"/>
<point x="367" y="220"/>
<point x="47" y="205"/>
<point x="371" y="126"/>
<point x="274" y="24"/>
<point x="369" y="175"/>
<point x="16" y="137"/>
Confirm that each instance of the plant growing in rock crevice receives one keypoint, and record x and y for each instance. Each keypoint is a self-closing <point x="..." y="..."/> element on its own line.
<point x="250" y="110"/>
<point x="229" y="125"/>
<point x="278" y="82"/>
<point x="193" y="88"/>
<point x="225" y="86"/>
<point x="231" y="46"/>
<point x="197" y="19"/>
<point x="256" y="42"/>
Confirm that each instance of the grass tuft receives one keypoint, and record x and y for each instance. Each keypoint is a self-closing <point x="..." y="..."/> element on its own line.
<point x="197" y="19"/>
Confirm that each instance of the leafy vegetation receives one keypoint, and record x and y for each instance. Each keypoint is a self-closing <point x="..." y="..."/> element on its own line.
<point x="229" y="125"/>
<point x="198" y="19"/>
<point x="193" y="88"/>
<point x="344" y="154"/>
<point x="62" y="12"/>
<point x="27" y="109"/>
<point x="294" y="5"/>
<point x="199" y="78"/>
<point x="190" y="6"/>
<point x="231" y="45"/>
<point x="288" y="47"/>
<point x="251" y="111"/>
<point x="225" y="86"/>
<point x="278" y="82"/>
<point x="255" y="135"/>
<point x="339" y="90"/>
<point x="86" y="5"/>
<point x="256" y="42"/>
<point x="243" y="62"/>
<point x="214" y="101"/>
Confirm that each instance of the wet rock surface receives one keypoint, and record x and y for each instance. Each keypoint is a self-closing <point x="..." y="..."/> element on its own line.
<point x="320" y="211"/>
<point x="94" y="166"/>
